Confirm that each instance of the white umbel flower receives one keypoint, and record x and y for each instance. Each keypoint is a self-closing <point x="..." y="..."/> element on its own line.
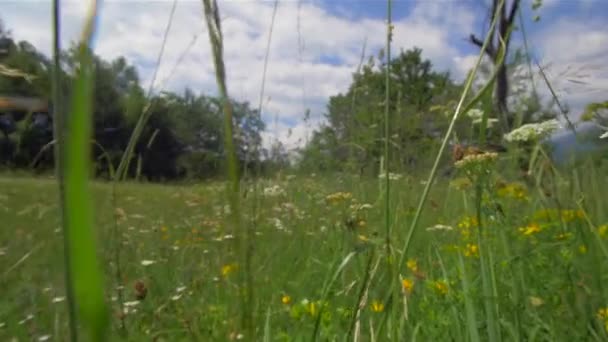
<point x="533" y="131"/>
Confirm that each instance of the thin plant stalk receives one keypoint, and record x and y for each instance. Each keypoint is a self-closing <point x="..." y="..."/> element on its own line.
<point x="387" y="224"/>
<point x="123" y="166"/>
<point x="58" y="157"/>
<point x="460" y="108"/>
<point x="242" y="236"/>
<point x="263" y="85"/>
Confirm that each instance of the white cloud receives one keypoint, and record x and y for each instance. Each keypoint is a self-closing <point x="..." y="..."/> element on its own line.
<point x="575" y="57"/>
<point x="296" y="78"/>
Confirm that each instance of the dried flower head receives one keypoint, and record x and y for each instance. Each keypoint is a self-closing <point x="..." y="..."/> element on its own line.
<point x="140" y="290"/>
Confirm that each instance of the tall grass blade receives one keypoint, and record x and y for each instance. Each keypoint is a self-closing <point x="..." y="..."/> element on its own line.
<point x="123" y="166"/>
<point x="242" y="237"/>
<point x="460" y="108"/>
<point x="87" y="278"/>
<point x="58" y="160"/>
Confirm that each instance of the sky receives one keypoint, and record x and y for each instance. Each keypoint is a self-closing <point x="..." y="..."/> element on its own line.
<point x="316" y="46"/>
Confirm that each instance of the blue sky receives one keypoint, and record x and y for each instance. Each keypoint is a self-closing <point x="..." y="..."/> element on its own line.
<point x="571" y="41"/>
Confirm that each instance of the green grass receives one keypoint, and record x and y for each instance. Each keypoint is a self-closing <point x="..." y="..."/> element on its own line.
<point x="179" y="228"/>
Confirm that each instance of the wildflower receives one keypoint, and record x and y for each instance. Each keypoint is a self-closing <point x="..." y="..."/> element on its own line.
<point x="131" y="303"/>
<point x="147" y="262"/>
<point x="475" y="114"/>
<point x="602" y="313"/>
<point x="391" y="176"/>
<point x="461" y="183"/>
<point x="569" y="215"/>
<point x="273" y="191"/>
<point x="227" y="269"/>
<point x="26" y="319"/>
<point x="338" y="197"/>
<point x="512" y="190"/>
<point x="58" y="299"/>
<point x="121" y="215"/>
<point x="377" y="306"/>
<point x="441" y="287"/>
<point x="439" y="227"/>
<point x="582" y="249"/>
<point x="474" y="163"/>
<point x="533" y="131"/>
<point x="44" y="338"/>
<point x="471" y="250"/>
<point x="363" y="238"/>
<point x="180" y="289"/>
<point x="412" y="264"/>
<point x="285" y="299"/>
<point x="602" y="230"/>
<point x="140" y="290"/>
<point x="530" y="229"/>
<point x="468" y="222"/>
<point x="311" y="307"/>
<point x="408" y="285"/>
<point x="536" y="301"/>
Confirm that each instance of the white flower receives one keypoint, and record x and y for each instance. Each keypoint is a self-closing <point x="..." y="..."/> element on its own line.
<point x="391" y="176"/>
<point x="180" y="289"/>
<point x="533" y="131"/>
<point x="176" y="297"/>
<point x="273" y="191"/>
<point x="58" y="299"/>
<point x="475" y="114"/>
<point x="131" y="304"/>
<point x="439" y="227"/>
<point x="491" y="122"/>
<point x="147" y="262"/>
<point x="27" y="318"/>
<point x="44" y="338"/>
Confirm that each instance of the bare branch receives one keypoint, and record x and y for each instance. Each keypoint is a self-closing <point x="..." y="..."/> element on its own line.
<point x="489" y="49"/>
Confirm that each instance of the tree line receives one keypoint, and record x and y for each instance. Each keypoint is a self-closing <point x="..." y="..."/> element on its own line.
<point x="182" y="138"/>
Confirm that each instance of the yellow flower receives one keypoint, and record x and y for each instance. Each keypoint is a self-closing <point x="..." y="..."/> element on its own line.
<point x="362" y="223"/>
<point x="530" y="229"/>
<point x="468" y="222"/>
<point x="536" y="301"/>
<point x="512" y="190"/>
<point x="441" y="287"/>
<point x="471" y="250"/>
<point x="363" y="238"/>
<point x="338" y="197"/>
<point x="408" y="285"/>
<point x="377" y="306"/>
<point x="602" y="313"/>
<point x="602" y="230"/>
<point x="412" y="264"/>
<point x="312" y="308"/>
<point x="582" y="249"/>
<point x="227" y="269"/>
<point x="164" y="229"/>
<point x="285" y="299"/>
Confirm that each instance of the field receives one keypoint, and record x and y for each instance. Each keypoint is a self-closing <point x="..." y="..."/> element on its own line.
<point x="319" y="262"/>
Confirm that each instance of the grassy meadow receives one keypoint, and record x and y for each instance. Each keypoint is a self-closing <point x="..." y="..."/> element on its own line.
<point x="319" y="257"/>
<point x="465" y="250"/>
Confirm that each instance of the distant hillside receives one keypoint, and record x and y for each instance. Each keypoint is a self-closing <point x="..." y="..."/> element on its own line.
<point x="567" y="146"/>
